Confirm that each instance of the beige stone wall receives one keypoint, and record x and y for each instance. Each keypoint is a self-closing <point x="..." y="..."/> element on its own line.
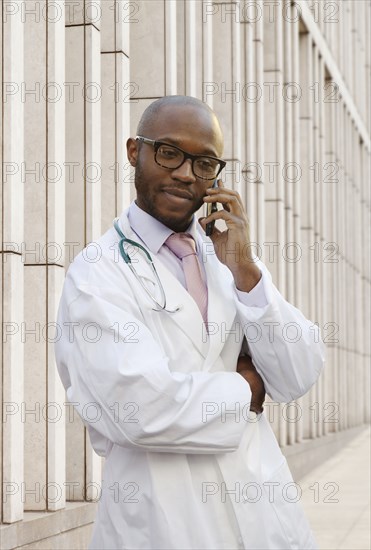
<point x="290" y="81"/>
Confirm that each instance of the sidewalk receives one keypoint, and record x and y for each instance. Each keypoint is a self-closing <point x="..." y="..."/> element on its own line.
<point x="336" y="498"/>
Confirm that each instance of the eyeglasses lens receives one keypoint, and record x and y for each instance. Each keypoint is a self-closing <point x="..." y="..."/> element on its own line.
<point x="203" y="167"/>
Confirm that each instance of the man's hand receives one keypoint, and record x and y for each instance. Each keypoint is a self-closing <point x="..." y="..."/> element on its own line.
<point x="232" y="246"/>
<point x="246" y="368"/>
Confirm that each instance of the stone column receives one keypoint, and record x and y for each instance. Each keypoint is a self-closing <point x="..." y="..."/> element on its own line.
<point x="273" y="164"/>
<point x="296" y="200"/>
<point x="118" y="92"/>
<point x="148" y="56"/>
<point x="307" y="201"/>
<point x="43" y="254"/>
<point x="12" y="273"/>
<point x="83" y="191"/>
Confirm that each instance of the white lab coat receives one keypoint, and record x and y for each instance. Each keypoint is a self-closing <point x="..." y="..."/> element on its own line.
<point x="188" y="466"/>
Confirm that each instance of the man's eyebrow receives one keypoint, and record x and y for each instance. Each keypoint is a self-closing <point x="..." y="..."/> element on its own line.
<point x="177" y="142"/>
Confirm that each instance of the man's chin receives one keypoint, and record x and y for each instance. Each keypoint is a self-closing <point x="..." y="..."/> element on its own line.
<point x="175" y="223"/>
<point x="171" y="213"/>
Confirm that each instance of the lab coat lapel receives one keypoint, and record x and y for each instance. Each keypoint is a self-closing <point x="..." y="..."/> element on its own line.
<point x="188" y="317"/>
<point x="221" y="304"/>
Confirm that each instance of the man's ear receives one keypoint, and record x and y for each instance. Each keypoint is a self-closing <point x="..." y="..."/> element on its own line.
<point x="132" y="151"/>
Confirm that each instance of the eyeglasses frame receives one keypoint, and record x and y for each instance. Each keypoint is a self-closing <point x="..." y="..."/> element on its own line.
<point x="157" y="144"/>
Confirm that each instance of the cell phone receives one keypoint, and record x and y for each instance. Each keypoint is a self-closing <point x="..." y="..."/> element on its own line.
<point x="211" y="207"/>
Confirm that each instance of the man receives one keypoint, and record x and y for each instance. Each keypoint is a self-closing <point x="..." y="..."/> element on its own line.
<point x="191" y="462"/>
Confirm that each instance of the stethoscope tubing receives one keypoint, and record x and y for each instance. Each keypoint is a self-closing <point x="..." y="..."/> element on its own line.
<point x="125" y="256"/>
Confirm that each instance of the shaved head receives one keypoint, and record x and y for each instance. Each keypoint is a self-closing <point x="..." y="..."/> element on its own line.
<point x="152" y="114"/>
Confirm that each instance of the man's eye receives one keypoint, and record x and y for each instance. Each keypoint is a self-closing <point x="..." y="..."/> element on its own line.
<point x="168" y="153"/>
<point x="206" y="164"/>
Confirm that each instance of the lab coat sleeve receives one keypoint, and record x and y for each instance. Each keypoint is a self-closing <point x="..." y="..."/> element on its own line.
<point x="123" y="389"/>
<point x="285" y="347"/>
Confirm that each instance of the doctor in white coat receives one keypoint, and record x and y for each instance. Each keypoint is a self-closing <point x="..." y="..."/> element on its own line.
<point x="191" y="461"/>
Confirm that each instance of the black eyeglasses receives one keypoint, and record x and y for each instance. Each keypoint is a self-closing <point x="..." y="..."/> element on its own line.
<point x="172" y="157"/>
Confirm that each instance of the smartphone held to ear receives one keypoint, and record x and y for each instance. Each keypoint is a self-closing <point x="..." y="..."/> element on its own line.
<point x="211" y="207"/>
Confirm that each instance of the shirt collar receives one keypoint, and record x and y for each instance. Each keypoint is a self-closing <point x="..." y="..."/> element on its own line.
<point x="151" y="231"/>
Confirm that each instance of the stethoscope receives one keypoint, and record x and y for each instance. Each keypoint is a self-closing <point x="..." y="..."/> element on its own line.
<point x="127" y="260"/>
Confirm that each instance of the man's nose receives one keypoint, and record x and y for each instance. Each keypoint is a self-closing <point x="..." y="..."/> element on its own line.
<point x="184" y="172"/>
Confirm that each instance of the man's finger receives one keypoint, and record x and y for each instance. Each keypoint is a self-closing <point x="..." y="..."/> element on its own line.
<point x="226" y="197"/>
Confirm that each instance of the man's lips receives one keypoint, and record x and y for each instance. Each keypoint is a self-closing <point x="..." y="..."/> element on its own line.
<point x="179" y="193"/>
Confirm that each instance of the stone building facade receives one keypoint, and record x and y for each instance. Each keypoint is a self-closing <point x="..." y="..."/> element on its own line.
<point x="290" y="81"/>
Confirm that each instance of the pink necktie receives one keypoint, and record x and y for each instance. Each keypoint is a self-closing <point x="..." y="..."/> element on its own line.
<point x="184" y="247"/>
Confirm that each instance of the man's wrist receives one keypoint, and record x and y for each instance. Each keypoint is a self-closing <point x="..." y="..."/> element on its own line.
<point x="246" y="279"/>
<point x="257" y="390"/>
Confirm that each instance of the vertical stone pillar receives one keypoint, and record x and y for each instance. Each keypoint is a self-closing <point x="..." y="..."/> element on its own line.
<point x="274" y="155"/>
<point x="238" y="108"/>
<point x="260" y="126"/>
<point x="194" y="24"/>
<point x="358" y="252"/>
<point x="307" y="198"/>
<point x="83" y="188"/>
<point x="43" y="254"/>
<point x="357" y="62"/>
<point x="225" y="83"/>
<point x="291" y="169"/>
<point x="315" y="98"/>
<point x="323" y="206"/>
<point x="348" y="336"/>
<point x="170" y="7"/>
<point x="250" y="97"/>
<point x="332" y="347"/>
<point x="366" y="276"/>
<point x="93" y="179"/>
<point x="12" y="233"/>
<point x="296" y="200"/>
<point x="118" y="92"/>
<point x="208" y="85"/>
<point x="290" y="174"/>
<point x="341" y="271"/>
<point x="274" y="142"/>
<point x="222" y="80"/>
<point x="35" y="271"/>
<point x="148" y="52"/>
<point x="56" y="436"/>
<point x="340" y="36"/>
<point x="367" y="72"/>
<point x="75" y="204"/>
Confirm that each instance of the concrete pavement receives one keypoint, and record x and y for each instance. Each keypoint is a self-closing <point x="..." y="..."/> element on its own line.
<point x="336" y="497"/>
